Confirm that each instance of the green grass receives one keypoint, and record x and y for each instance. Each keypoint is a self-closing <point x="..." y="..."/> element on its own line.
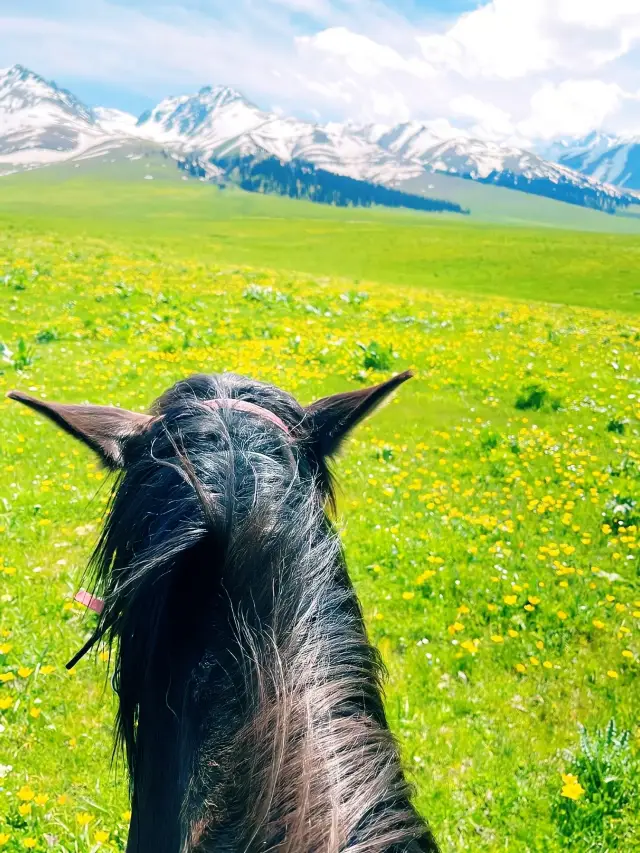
<point x="490" y="513"/>
<point x="436" y="252"/>
<point x="502" y="206"/>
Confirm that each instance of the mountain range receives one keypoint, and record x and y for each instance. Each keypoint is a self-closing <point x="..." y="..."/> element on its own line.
<point x="612" y="159"/>
<point x="41" y="123"/>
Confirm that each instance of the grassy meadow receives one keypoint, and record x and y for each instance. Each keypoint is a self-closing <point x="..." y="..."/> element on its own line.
<point x="491" y="513"/>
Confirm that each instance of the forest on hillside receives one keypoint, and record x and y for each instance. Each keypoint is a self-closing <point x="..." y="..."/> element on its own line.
<point x="302" y="180"/>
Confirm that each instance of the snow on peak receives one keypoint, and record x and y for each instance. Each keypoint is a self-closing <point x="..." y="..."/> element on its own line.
<point x="22" y="89"/>
<point x="40" y="121"/>
<point x="613" y="159"/>
<point x="114" y="121"/>
<point x="193" y="116"/>
<point x="220" y="96"/>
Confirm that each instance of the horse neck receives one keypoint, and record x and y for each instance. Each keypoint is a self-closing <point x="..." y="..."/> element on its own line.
<point x="312" y="765"/>
<point x="260" y="715"/>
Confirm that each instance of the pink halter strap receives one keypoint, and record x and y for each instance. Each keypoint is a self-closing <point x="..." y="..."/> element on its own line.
<point x="244" y="406"/>
<point x="90" y="601"/>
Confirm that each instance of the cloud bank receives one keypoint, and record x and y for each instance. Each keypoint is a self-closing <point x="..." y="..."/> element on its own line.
<point x="512" y="70"/>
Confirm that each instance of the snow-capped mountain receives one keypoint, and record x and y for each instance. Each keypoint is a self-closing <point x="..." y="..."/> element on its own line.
<point x="41" y="123"/>
<point x="612" y="159"/>
<point x="504" y="165"/>
<point x="479" y="160"/>
<point x="219" y="122"/>
<point x="412" y="140"/>
<point x="208" y="118"/>
<point x="588" y="148"/>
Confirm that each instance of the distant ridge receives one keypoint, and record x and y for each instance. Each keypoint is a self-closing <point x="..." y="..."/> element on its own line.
<point x="41" y="123"/>
<point x="614" y="159"/>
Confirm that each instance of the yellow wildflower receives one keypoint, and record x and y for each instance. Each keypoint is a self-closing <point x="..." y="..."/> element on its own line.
<point x="571" y="788"/>
<point x="26" y="793"/>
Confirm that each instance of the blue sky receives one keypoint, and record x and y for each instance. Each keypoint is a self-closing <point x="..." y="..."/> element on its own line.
<point x="503" y="69"/>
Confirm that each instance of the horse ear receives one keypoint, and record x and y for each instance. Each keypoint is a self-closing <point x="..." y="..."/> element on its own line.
<point x="105" y="429"/>
<point x="331" y="419"/>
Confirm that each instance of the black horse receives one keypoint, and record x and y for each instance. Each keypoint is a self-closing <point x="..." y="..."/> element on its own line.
<point x="250" y="701"/>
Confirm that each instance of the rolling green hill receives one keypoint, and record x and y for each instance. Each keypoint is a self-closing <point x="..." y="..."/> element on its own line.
<point x="499" y="205"/>
<point x="145" y="161"/>
<point x="434" y="251"/>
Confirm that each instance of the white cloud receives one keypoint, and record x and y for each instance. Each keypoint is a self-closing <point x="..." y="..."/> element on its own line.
<point x="610" y="28"/>
<point x="310" y="7"/>
<point x="505" y="39"/>
<point x="334" y="90"/>
<point x="491" y="121"/>
<point x="390" y="106"/>
<point x="361" y="54"/>
<point x="599" y="14"/>
<point x="509" y="39"/>
<point x="378" y="82"/>
<point x="572" y="108"/>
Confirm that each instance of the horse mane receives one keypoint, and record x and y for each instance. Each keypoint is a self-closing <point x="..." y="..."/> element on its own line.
<point x="239" y="641"/>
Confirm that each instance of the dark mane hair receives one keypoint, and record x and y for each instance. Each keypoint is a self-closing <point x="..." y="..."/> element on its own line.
<point x="250" y="700"/>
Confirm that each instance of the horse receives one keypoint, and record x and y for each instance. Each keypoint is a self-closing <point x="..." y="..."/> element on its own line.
<point x="249" y="698"/>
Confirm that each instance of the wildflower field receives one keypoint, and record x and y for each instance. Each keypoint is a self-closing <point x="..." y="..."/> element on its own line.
<point x="491" y="513"/>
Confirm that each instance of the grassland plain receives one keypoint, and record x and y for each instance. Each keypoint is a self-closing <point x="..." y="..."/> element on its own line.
<point x="489" y="514"/>
<point x="441" y="252"/>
